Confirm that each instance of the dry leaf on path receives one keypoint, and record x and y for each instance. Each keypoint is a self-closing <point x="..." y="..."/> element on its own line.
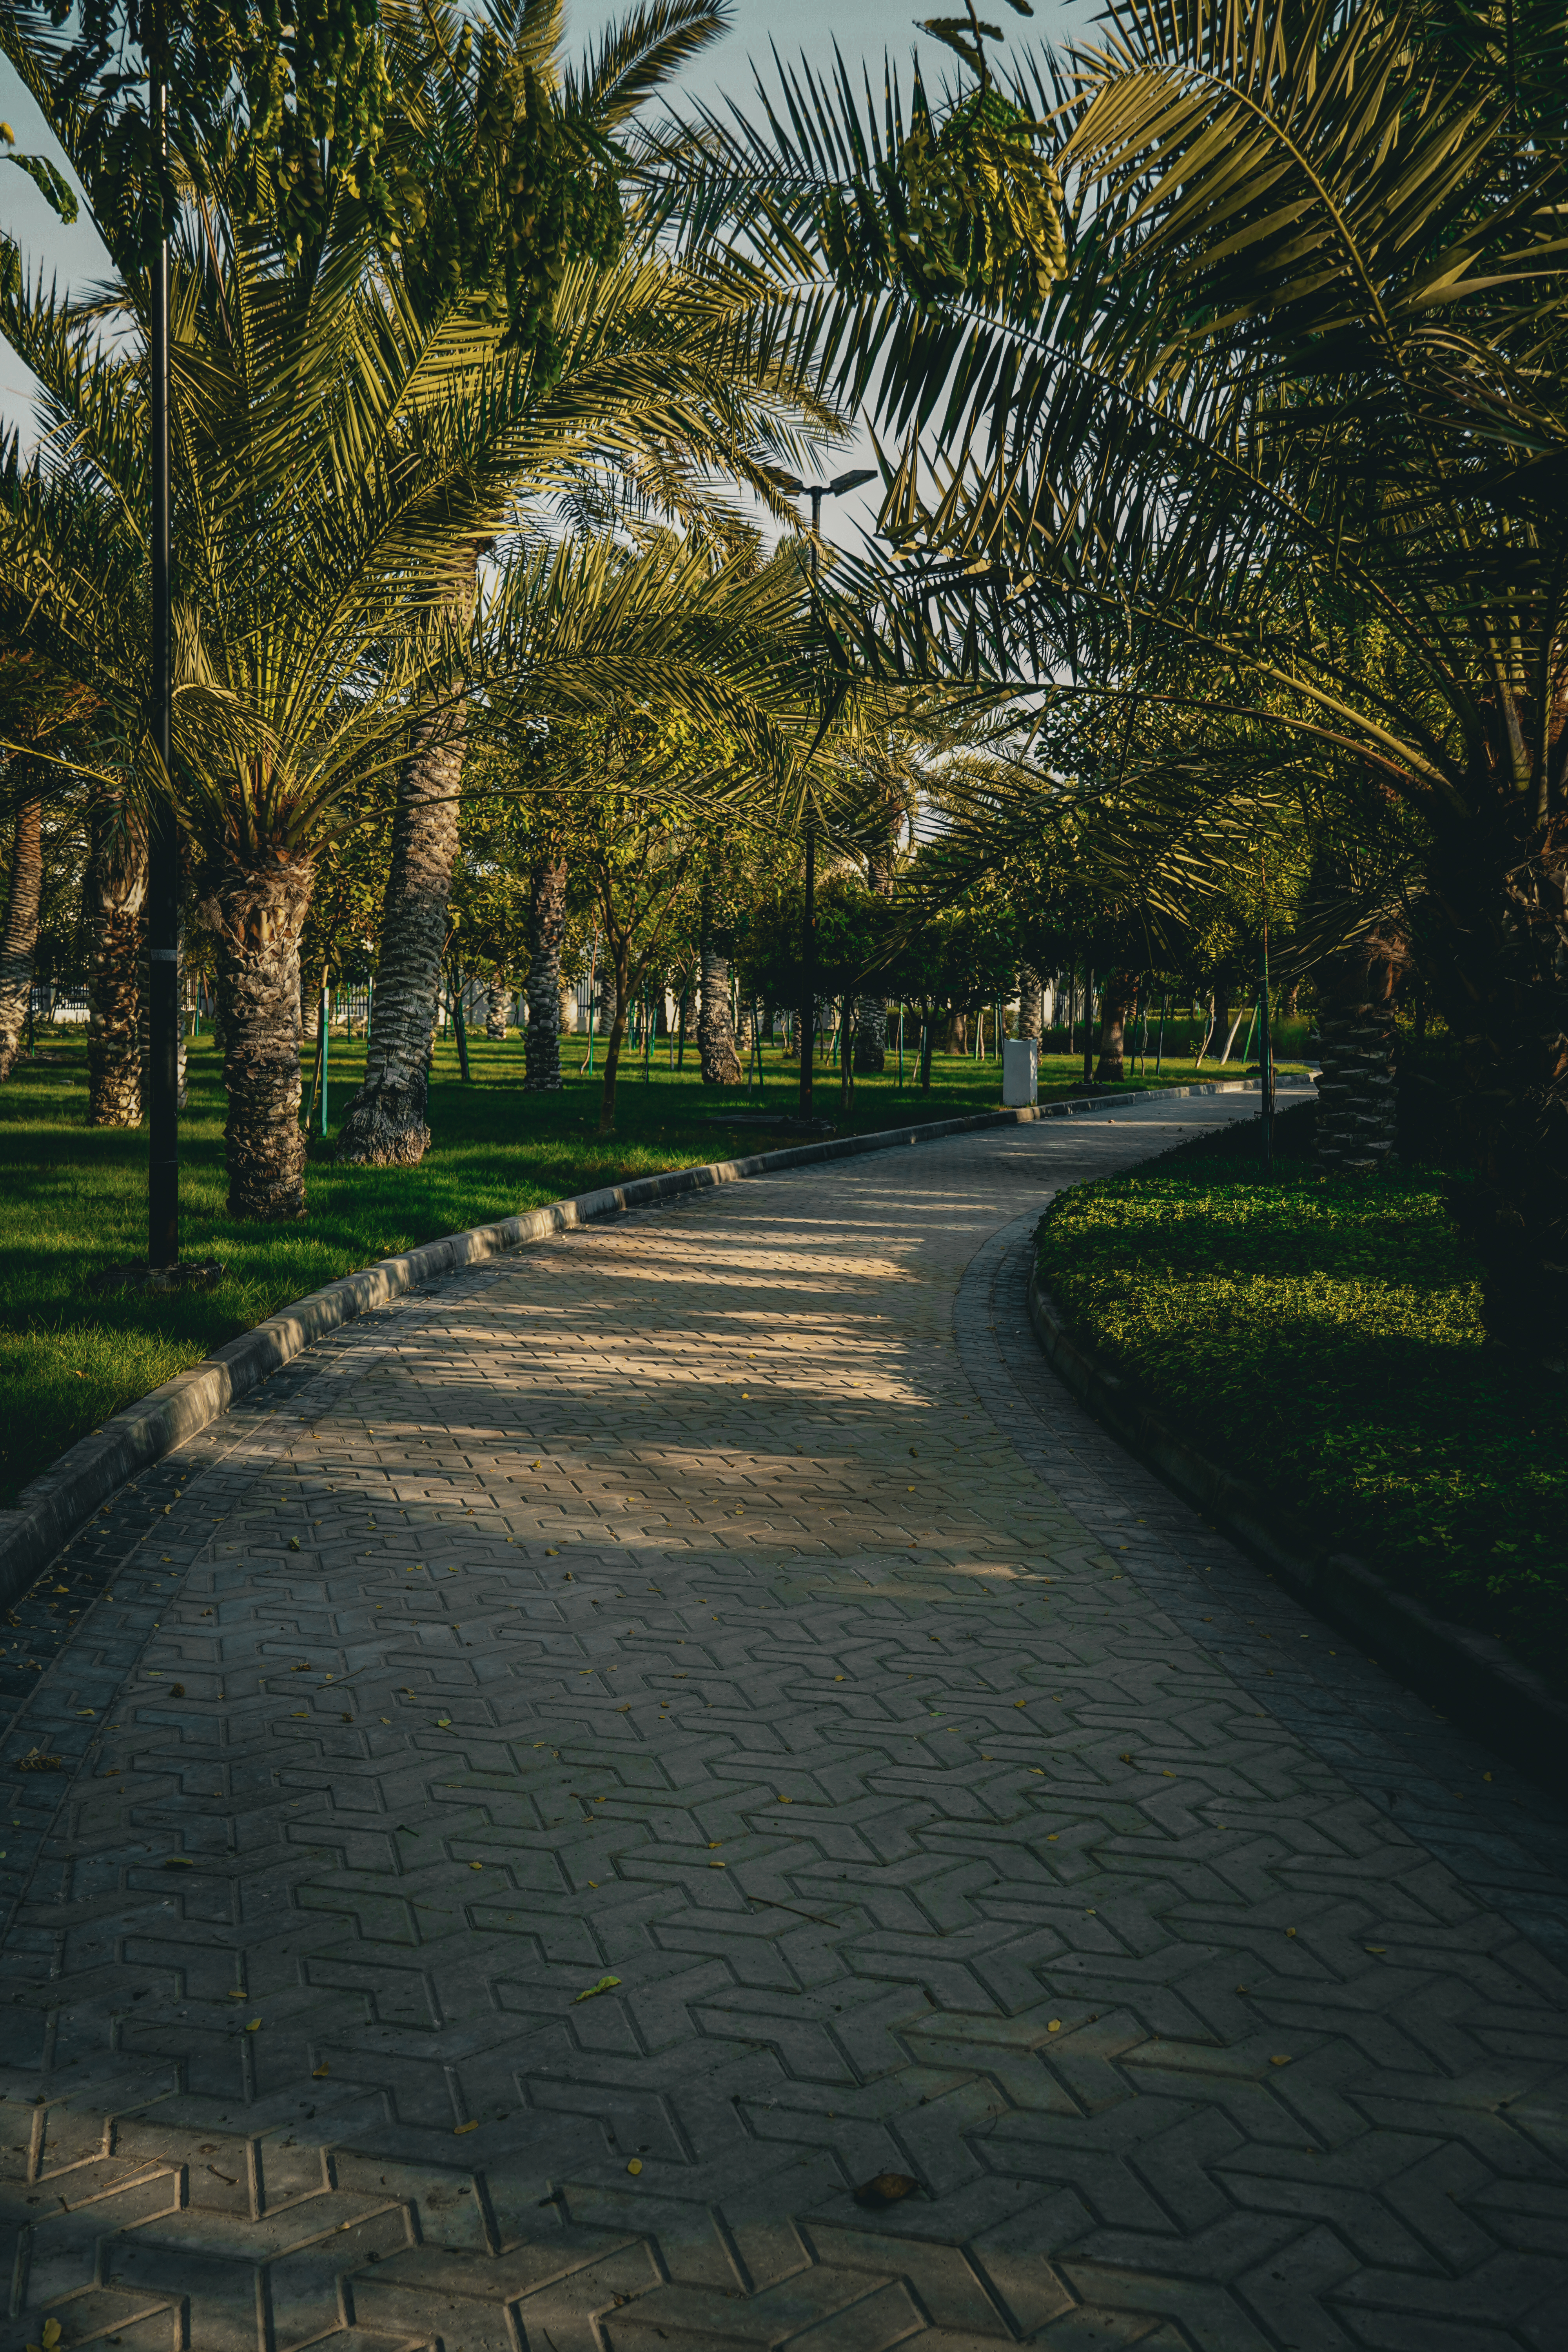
<point x="885" y="2189"/>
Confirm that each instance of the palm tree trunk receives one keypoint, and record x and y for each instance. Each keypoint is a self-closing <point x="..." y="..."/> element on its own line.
<point x="1493" y="944"/>
<point x="385" y="1126"/>
<point x="498" y="999"/>
<point x="116" y="892"/>
<point x="871" y="1018"/>
<point x="715" y="1036"/>
<point x="259" y="917"/>
<point x="1356" y="1128"/>
<point x="546" y="926"/>
<point x="1028" y="1001"/>
<point x="870" y="1022"/>
<point x="18" y="942"/>
<point x="1116" y="1003"/>
<point x="618" y="961"/>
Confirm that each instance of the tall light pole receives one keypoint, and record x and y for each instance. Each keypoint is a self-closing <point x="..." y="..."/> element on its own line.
<point x="162" y="838"/>
<point x="816" y="492"/>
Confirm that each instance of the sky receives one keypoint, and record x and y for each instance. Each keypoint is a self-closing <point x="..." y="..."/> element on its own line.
<point x="864" y="30"/>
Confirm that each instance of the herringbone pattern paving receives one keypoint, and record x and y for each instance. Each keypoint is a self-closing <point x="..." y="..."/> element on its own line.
<point x="609" y="1756"/>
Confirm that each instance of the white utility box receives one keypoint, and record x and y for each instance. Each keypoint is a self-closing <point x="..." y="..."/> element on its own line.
<point x="1020" y="1072"/>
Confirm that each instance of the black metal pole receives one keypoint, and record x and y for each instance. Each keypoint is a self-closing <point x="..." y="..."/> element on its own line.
<point x="808" y="931"/>
<point x="808" y="972"/>
<point x="1265" y="1072"/>
<point x="163" y="838"/>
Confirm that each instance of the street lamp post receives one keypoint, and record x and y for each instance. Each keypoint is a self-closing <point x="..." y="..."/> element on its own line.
<point x="162" y="841"/>
<point x="816" y="492"/>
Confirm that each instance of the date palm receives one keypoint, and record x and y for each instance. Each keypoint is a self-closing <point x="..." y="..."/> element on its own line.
<point x="1294" y="426"/>
<point x="655" y="380"/>
<point x="343" y="447"/>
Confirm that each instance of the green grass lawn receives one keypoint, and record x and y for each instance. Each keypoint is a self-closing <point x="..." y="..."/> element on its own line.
<point x="1322" y="1339"/>
<point x="73" y="1200"/>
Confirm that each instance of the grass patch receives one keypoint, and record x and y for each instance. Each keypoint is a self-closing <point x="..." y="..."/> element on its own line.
<point x="1322" y="1339"/>
<point x="73" y="1201"/>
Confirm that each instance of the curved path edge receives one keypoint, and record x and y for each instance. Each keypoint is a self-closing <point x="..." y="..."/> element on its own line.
<point x="1472" y="1677"/>
<point x="61" y="1499"/>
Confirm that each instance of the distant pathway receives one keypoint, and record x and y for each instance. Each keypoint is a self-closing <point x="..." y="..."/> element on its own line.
<point x="762" y="1628"/>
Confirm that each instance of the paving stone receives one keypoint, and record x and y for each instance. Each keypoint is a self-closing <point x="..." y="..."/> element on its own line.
<point x="731" y="1603"/>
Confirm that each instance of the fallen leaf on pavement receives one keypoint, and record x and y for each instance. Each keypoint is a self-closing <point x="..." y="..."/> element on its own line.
<point x="885" y="2189"/>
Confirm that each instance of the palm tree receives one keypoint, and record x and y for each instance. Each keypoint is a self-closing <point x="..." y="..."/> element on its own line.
<point x="647" y="697"/>
<point x="649" y="378"/>
<point x="116" y="896"/>
<point x="42" y="721"/>
<point x="322" y="436"/>
<point x="340" y="452"/>
<point x="546" y="929"/>
<point x="1296" y="420"/>
<point x="19" y="937"/>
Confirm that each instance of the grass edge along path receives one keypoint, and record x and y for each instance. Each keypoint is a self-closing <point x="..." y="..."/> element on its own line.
<point x="72" y="1201"/>
<point x="1321" y="1338"/>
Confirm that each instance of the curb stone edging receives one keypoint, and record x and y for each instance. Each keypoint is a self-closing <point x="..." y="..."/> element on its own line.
<point x="61" y="1499"/>
<point x="1468" y="1676"/>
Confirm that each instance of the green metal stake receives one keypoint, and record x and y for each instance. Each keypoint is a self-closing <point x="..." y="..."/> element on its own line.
<point x="325" y="1022"/>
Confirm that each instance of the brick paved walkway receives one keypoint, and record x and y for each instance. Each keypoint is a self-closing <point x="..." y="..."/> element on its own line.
<point x="762" y="1630"/>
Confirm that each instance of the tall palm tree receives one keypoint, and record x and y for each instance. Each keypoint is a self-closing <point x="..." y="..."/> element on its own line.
<point x="1296" y="422"/>
<point x="327" y="448"/>
<point x="341" y="450"/>
<point x="650" y="379"/>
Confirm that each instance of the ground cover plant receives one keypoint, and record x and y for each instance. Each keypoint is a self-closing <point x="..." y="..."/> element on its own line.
<point x="73" y="1200"/>
<point x="1322" y="1339"/>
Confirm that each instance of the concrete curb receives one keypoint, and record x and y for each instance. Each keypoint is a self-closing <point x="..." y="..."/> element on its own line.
<point x="1468" y="1676"/>
<point x="62" y="1498"/>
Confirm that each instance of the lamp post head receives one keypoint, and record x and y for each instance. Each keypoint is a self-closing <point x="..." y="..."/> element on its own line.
<point x="792" y="488"/>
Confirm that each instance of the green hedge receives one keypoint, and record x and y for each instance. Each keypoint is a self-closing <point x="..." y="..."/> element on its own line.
<point x="1322" y="1338"/>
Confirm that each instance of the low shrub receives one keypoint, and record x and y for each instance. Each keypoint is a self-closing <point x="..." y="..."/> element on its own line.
<point x="1322" y="1338"/>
